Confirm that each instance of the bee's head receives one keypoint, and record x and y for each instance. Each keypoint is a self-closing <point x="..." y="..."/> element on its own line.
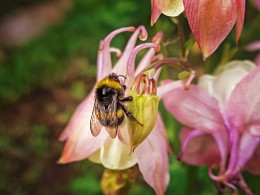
<point x="116" y="77"/>
<point x="106" y="91"/>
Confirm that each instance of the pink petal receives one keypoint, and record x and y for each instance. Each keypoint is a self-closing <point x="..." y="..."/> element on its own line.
<point x="167" y="86"/>
<point x="241" y="5"/>
<point x="222" y="85"/>
<point x="257" y="60"/>
<point x="244" y="104"/>
<point x="80" y="142"/>
<point x="104" y="65"/>
<point x="211" y="21"/>
<point x="131" y="61"/>
<point x="253" y="165"/>
<point x="155" y="11"/>
<point x="243" y="185"/>
<point x="201" y="149"/>
<point x="194" y="108"/>
<point x="82" y="112"/>
<point x="248" y="146"/>
<point x="257" y="4"/>
<point x="120" y="67"/>
<point x="192" y="134"/>
<point x="153" y="159"/>
<point x="253" y="46"/>
<point x="148" y="57"/>
<point x="132" y="57"/>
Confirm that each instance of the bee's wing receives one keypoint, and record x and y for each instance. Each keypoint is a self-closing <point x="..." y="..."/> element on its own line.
<point x="95" y="126"/>
<point x="112" y="109"/>
<point x="112" y="131"/>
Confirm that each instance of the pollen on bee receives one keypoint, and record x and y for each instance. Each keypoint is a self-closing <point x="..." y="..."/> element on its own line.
<point x="97" y="114"/>
<point x="109" y="82"/>
<point x="119" y="113"/>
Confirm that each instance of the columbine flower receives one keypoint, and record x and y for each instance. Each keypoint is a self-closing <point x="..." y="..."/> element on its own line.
<point x="151" y="154"/>
<point x="222" y="123"/>
<point x="210" y="21"/>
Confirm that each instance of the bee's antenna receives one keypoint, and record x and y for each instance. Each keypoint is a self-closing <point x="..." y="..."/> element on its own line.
<point x="121" y="76"/>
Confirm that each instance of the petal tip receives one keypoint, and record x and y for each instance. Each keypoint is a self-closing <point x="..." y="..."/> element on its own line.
<point x="205" y="56"/>
<point x="143" y="34"/>
<point x="152" y="22"/>
<point x="157" y="38"/>
<point x="61" y="161"/>
<point x="132" y="28"/>
<point x="157" y="47"/>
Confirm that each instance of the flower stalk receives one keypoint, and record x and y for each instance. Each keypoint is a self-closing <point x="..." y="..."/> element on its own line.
<point x="187" y="72"/>
<point x="182" y="38"/>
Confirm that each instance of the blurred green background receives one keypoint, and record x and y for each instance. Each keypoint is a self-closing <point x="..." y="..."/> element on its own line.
<point x="48" y="54"/>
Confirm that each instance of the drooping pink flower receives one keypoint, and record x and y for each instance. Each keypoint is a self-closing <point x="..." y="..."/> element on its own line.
<point x="222" y="123"/>
<point x="210" y="21"/>
<point x="151" y="154"/>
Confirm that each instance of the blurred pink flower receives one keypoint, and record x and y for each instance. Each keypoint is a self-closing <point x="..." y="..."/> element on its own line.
<point x="257" y="4"/>
<point x="255" y="46"/>
<point x="222" y="122"/>
<point x="210" y="21"/>
<point x="151" y="154"/>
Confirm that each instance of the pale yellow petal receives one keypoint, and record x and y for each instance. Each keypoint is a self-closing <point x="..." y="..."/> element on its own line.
<point x="116" y="155"/>
<point x="174" y="8"/>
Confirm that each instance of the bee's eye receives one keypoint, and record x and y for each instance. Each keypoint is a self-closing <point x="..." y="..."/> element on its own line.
<point x="104" y="91"/>
<point x="107" y="91"/>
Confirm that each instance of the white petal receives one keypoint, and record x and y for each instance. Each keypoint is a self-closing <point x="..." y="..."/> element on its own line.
<point x="206" y="82"/>
<point x="115" y="155"/>
<point x="223" y="84"/>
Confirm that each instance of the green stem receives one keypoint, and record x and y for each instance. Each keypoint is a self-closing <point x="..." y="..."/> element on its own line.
<point x="174" y="62"/>
<point x="182" y="38"/>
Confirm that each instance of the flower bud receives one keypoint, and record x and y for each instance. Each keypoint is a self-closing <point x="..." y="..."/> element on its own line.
<point x="144" y="108"/>
<point x="118" y="181"/>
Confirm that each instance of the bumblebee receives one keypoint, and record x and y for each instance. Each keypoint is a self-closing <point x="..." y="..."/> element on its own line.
<point x="109" y="107"/>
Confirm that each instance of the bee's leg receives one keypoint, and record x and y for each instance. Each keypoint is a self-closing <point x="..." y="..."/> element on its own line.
<point x="127" y="99"/>
<point x="129" y="114"/>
